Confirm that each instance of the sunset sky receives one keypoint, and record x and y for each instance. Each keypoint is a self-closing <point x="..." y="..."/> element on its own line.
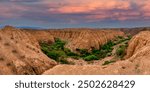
<point x="75" y="13"/>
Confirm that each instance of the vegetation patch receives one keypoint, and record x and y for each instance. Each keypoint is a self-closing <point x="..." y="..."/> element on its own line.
<point x="90" y="58"/>
<point x="121" y="39"/>
<point x="59" y="53"/>
<point x="121" y="51"/>
<point x="55" y="51"/>
<point x="108" y="62"/>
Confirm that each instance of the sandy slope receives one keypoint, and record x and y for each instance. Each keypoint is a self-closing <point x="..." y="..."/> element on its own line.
<point x="21" y="54"/>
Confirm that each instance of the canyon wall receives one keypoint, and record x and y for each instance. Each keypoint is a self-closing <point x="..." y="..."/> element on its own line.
<point x="20" y="53"/>
<point x="86" y="38"/>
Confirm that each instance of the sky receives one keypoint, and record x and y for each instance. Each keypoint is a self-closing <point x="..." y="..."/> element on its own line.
<point x="75" y="13"/>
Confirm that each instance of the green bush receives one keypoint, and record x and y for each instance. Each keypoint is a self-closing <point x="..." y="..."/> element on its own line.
<point x="90" y="58"/>
<point x="120" y="37"/>
<point x="95" y="51"/>
<point x="108" y="46"/>
<point x="128" y="37"/>
<point x="121" y="51"/>
<point x="63" y="60"/>
<point x="69" y="53"/>
<point x="83" y="52"/>
<point x="55" y="54"/>
<point x="58" y="45"/>
<point x="44" y="49"/>
<point x="108" y="62"/>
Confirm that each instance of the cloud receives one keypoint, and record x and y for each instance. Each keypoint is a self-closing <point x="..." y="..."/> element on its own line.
<point x="11" y="10"/>
<point x="145" y="8"/>
<point x="103" y="9"/>
<point x="86" y="6"/>
<point x="75" y="11"/>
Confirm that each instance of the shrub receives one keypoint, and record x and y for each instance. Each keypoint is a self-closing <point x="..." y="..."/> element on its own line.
<point x="120" y="37"/>
<point x="129" y="37"/>
<point x="102" y="54"/>
<point x="90" y="58"/>
<point x="107" y="46"/>
<point x="59" y="44"/>
<point x="55" y="54"/>
<point x="63" y="60"/>
<point x="83" y="52"/>
<point x="95" y="51"/>
<point x="69" y="53"/>
<point x="121" y="51"/>
<point x="44" y="49"/>
<point x="108" y="62"/>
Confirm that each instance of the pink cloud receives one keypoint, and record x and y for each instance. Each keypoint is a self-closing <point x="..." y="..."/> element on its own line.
<point x="11" y="10"/>
<point x="86" y="6"/>
<point x="146" y="8"/>
<point x="94" y="10"/>
<point x="103" y="9"/>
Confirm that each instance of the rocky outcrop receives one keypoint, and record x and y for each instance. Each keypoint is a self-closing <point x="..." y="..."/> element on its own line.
<point x="20" y="53"/>
<point x="139" y="44"/>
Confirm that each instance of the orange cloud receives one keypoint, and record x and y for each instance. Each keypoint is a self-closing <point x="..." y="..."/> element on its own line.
<point x="86" y="6"/>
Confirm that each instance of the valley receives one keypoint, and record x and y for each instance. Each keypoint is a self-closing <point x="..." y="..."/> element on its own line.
<point x="74" y="51"/>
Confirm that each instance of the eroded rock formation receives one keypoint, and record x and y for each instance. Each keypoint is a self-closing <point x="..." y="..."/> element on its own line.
<point x="20" y="53"/>
<point x="86" y="39"/>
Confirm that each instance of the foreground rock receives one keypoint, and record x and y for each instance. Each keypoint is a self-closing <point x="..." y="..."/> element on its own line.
<point x="20" y="53"/>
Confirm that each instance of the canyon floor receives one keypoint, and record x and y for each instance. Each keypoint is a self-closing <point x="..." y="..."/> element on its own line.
<point x="85" y="51"/>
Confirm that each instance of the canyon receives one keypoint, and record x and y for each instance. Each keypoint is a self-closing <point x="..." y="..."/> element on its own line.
<point x="21" y="52"/>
